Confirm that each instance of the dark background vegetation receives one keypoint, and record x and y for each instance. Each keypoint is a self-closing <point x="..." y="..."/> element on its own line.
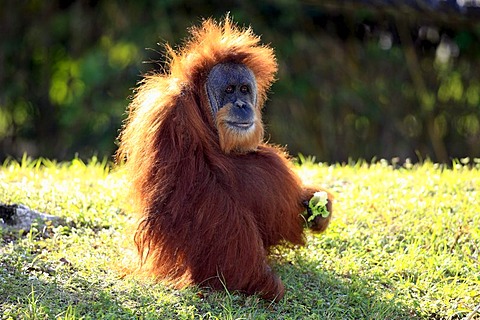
<point x="357" y="79"/>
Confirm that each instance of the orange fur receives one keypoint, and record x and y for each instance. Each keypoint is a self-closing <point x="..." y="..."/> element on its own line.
<point x="209" y="207"/>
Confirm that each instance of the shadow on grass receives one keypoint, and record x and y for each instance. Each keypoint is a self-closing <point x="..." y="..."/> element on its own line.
<point x="326" y="295"/>
<point x="31" y="290"/>
<point x="34" y="288"/>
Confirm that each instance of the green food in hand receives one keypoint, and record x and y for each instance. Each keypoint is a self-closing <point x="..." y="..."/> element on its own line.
<point x="318" y="205"/>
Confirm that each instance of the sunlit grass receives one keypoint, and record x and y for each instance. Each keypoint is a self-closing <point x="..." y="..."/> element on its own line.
<point x="404" y="244"/>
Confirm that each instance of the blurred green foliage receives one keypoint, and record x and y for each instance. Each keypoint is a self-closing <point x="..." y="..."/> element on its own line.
<point x="354" y="82"/>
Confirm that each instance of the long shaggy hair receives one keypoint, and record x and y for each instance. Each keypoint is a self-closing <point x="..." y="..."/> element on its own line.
<point x="208" y="213"/>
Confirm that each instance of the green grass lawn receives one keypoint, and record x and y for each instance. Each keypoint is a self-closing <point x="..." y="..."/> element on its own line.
<point x="404" y="244"/>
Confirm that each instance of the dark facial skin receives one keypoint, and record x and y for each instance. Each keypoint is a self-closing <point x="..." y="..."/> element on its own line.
<point x="233" y="85"/>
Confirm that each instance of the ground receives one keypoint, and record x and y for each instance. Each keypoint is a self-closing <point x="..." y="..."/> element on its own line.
<point x="404" y="243"/>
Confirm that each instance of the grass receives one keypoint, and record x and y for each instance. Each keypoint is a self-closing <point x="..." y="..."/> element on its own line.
<point x="404" y="244"/>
